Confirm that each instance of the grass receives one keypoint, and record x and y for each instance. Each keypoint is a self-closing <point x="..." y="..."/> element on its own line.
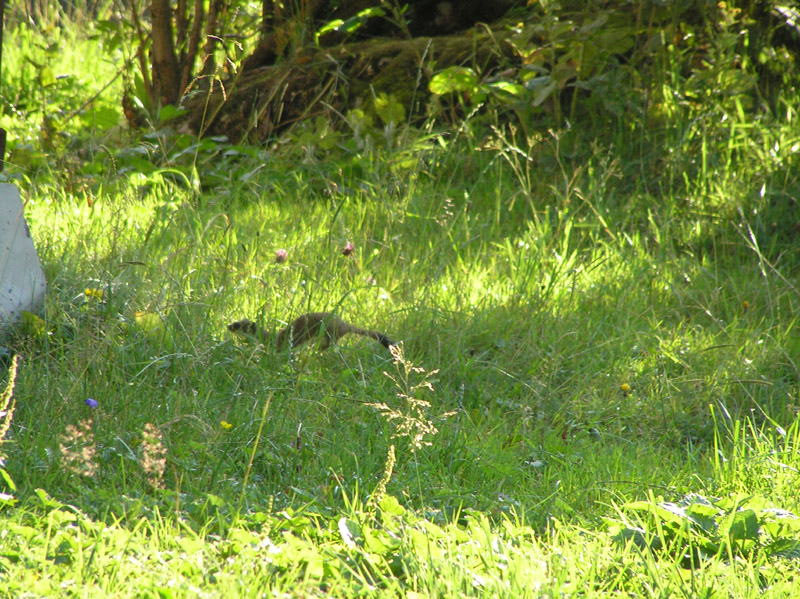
<point x="605" y="342"/>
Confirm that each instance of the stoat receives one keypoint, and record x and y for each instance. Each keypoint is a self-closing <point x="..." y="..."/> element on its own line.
<point x="307" y="328"/>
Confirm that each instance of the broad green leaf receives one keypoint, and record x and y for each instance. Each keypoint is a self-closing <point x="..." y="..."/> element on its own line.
<point x="389" y="505"/>
<point x="46" y="500"/>
<point x="352" y="24"/>
<point x="743" y="525"/>
<point x="544" y="92"/>
<point x="46" y="76"/>
<point x="785" y="548"/>
<point x="380" y="541"/>
<point x="330" y="26"/>
<point x="453" y="79"/>
<point x="169" y="112"/>
<point x="315" y="566"/>
<point x="389" y="109"/>
<point x="215" y="500"/>
<point x="102" y="117"/>
<point x="507" y="87"/>
<point x="7" y="478"/>
<point x="639" y="537"/>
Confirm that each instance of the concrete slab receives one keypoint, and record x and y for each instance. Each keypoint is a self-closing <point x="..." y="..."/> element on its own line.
<point x="22" y="283"/>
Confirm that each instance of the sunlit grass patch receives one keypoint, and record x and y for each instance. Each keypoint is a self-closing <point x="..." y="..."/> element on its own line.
<point x="611" y="324"/>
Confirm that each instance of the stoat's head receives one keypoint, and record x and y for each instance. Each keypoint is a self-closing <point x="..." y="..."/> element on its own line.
<point x="244" y="326"/>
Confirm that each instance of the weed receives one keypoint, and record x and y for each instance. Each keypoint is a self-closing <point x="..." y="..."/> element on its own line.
<point x="410" y="419"/>
<point x="78" y="450"/>
<point x="154" y="456"/>
<point x="7" y="405"/>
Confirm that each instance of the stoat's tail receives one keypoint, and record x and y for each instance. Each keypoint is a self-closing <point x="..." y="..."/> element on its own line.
<point x="380" y="337"/>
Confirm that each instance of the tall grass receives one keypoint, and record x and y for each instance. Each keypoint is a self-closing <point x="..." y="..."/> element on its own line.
<point x="612" y="326"/>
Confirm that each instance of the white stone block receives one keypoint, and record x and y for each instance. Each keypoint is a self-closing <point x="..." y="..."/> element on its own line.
<point x="22" y="284"/>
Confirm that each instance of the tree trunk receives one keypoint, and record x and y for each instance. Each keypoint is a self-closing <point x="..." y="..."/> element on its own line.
<point x="166" y="77"/>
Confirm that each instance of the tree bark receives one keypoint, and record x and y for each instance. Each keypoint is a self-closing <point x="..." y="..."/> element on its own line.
<point x="215" y="8"/>
<point x="166" y="78"/>
<point x="187" y="65"/>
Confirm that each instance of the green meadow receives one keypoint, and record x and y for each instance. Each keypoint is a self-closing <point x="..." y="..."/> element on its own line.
<point x="596" y="390"/>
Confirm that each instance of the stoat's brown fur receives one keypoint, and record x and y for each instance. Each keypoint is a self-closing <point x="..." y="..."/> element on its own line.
<point x="325" y="326"/>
